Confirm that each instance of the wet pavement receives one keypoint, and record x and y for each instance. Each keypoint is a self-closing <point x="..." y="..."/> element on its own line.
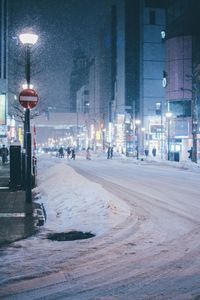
<point x="17" y="218"/>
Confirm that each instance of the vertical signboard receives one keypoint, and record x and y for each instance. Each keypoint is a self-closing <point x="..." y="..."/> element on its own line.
<point x="2" y="110"/>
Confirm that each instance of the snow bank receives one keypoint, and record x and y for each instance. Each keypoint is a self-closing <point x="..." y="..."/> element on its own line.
<point x="74" y="203"/>
<point x="184" y="164"/>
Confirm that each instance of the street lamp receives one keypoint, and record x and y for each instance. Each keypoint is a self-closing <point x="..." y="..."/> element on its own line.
<point x="28" y="40"/>
<point x="168" y="116"/>
<point x="137" y="123"/>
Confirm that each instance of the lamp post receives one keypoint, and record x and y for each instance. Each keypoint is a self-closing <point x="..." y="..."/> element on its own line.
<point x="127" y="142"/>
<point x="137" y="123"/>
<point x="194" y="119"/>
<point x="28" y="40"/>
<point x="159" y="112"/>
<point x="77" y="130"/>
<point x="103" y="137"/>
<point x="143" y="138"/>
<point x="168" y="116"/>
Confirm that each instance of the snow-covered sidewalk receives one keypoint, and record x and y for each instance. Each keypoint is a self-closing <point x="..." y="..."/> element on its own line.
<point x="74" y="203"/>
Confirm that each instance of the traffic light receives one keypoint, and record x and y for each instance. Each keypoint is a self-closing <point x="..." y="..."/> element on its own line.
<point x="164" y="74"/>
<point x="158" y="108"/>
<point x="164" y="81"/>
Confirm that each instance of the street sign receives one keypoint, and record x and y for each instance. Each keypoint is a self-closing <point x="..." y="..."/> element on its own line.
<point x="28" y="98"/>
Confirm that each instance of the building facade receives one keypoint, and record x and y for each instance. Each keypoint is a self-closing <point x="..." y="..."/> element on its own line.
<point x="79" y="76"/>
<point x="182" y="66"/>
<point x="140" y="65"/>
<point x="3" y="72"/>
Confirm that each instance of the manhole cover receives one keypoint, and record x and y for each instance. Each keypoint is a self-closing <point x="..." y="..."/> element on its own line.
<point x="69" y="236"/>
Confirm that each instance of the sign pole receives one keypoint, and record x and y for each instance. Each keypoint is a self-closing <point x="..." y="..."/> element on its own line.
<point x="28" y="168"/>
<point x="28" y="98"/>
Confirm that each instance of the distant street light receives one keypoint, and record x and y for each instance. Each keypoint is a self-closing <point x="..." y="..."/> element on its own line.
<point x="168" y="116"/>
<point x="137" y="123"/>
<point x="28" y="39"/>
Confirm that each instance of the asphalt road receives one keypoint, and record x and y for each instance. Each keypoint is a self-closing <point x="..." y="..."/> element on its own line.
<point x="161" y="249"/>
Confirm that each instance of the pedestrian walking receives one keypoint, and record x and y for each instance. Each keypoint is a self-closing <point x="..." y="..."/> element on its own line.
<point x="61" y="152"/>
<point x="88" y="154"/>
<point x="73" y="154"/>
<point x="154" y="151"/>
<point x="190" y="153"/>
<point x="4" y="154"/>
<point x="111" y="152"/>
<point x="146" y="152"/>
<point x="108" y="152"/>
<point x="68" y="152"/>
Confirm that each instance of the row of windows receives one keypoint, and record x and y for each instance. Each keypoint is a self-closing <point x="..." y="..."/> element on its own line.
<point x="180" y="108"/>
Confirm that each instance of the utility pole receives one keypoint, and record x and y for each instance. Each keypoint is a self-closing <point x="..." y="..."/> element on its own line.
<point x="195" y="94"/>
<point x="194" y="119"/>
<point x="28" y="40"/>
<point x="168" y="116"/>
<point x="195" y="77"/>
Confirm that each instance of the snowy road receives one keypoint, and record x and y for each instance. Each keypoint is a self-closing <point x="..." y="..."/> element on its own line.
<point x="163" y="247"/>
<point x="152" y="252"/>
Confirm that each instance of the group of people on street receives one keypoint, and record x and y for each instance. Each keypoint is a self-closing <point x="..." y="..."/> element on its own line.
<point x="109" y="153"/>
<point x="146" y="152"/>
<point x="190" y="153"/>
<point x="4" y="154"/>
<point x="69" y="150"/>
<point x="71" y="153"/>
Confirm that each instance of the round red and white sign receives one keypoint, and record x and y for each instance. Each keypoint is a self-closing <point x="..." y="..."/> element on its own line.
<point x="28" y="98"/>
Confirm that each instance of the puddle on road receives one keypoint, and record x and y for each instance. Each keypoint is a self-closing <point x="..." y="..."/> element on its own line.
<point x="69" y="236"/>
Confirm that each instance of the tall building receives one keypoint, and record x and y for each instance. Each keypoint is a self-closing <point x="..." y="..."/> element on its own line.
<point x="140" y="65"/>
<point x="108" y="75"/>
<point x="3" y="71"/>
<point x="183" y="73"/>
<point x="102" y="84"/>
<point x="79" y="76"/>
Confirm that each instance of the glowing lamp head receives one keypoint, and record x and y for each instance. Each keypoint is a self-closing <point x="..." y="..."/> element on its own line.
<point x="28" y="38"/>
<point x="137" y="122"/>
<point x="168" y="114"/>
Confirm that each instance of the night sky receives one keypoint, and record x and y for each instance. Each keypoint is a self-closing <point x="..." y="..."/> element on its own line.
<point x="62" y="26"/>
